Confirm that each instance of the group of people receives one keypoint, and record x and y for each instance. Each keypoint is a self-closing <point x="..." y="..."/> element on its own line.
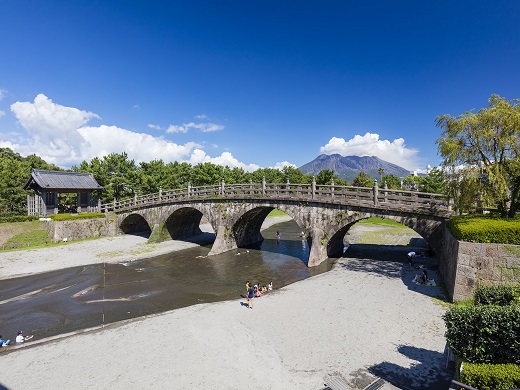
<point x="20" y="338"/>
<point x="256" y="291"/>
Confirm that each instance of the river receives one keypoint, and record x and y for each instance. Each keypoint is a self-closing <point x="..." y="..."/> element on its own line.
<point x="67" y="300"/>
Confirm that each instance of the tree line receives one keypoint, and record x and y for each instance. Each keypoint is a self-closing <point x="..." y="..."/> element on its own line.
<point x="122" y="178"/>
<point x="480" y="168"/>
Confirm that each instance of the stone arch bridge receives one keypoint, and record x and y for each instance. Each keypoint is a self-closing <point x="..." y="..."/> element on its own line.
<point x="236" y="212"/>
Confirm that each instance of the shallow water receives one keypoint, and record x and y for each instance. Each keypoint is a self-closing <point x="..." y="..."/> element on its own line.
<point x="75" y="298"/>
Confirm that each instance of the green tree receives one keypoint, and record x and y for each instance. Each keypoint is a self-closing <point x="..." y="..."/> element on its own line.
<point x="392" y="182"/>
<point x="325" y="176"/>
<point x="489" y="142"/>
<point x="362" y="180"/>
<point x="435" y="182"/>
<point x="381" y="171"/>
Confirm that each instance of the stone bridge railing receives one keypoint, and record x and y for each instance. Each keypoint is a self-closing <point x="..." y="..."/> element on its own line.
<point x="381" y="198"/>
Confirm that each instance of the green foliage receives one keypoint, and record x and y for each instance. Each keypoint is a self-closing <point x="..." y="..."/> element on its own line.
<point x="495" y="295"/>
<point x="362" y="180"/>
<point x="14" y="172"/>
<point x="276" y="213"/>
<point x="375" y="221"/>
<point x="435" y="183"/>
<point x="487" y="143"/>
<point x="392" y="182"/>
<point x="491" y="376"/>
<point x="486" y="229"/>
<point x="484" y="334"/>
<point x="325" y="177"/>
<point x="70" y="217"/>
<point x="18" y="218"/>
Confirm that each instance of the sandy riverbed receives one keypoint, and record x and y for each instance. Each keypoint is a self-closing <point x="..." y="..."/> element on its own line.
<point x="363" y="318"/>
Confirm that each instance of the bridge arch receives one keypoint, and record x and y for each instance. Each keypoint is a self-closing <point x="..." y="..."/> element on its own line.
<point x="427" y="227"/>
<point x="183" y="223"/>
<point x="135" y="223"/>
<point x="246" y="229"/>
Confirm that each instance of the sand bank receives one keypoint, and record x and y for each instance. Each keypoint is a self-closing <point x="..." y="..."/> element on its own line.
<point x="363" y="318"/>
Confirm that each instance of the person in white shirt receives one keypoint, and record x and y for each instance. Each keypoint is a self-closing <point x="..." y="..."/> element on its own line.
<point x="20" y="338"/>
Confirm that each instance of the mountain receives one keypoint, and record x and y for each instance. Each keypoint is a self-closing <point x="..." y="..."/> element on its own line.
<point x="348" y="167"/>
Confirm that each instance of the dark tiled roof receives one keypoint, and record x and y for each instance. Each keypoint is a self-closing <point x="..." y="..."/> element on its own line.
<point x="56" y="180"/>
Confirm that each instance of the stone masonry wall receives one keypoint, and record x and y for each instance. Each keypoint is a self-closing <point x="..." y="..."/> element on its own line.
<point x="80" y="229"/>
<point x="467" y="265"/>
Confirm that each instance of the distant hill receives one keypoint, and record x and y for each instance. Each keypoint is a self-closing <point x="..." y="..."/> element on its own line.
<point x="348" y="167"/>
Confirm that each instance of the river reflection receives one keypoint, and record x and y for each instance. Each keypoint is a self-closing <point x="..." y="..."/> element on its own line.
<point x="81" y="297"/>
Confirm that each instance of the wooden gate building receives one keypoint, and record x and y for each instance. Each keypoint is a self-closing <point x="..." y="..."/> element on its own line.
<point x="46" y="185"/>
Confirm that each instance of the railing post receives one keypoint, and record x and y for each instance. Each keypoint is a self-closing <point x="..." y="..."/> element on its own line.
<point x="375" y="190"/>
<point x="288" y="186"/>
<point x="332" y="188"/>
<point x="263" y="186"/>
<point x="222" y="187"/>
<point x="114" y="204"/>
<point x="250" y="187"/>
<point x="386" y="192"/>
<point x="99" y="206"/>
<point x="135" y="199"/>
<point x="189" y="189"/>
<point x="160" y="193"/>
<point x="313" y="187"/>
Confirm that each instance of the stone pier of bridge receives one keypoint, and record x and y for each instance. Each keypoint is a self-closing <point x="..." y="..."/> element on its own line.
<point x="238" y="223"/>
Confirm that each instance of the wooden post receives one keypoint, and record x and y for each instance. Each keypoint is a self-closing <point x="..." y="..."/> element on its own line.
<point x="263" y="186"/>
<point x="332" y="188"/>
<point x="287" y="188"/>
<point x="386" y="192"/>
<point x="189" y="189"/>
<point x="313" y="187"/>
<point x="222" y="187"/>
<point x="375" y="190"/>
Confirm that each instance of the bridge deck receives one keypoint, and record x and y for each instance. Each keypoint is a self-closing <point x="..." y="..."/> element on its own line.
<point x="396" y="200"/>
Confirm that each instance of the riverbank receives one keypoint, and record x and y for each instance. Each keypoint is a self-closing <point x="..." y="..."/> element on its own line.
<point x="365" y="318"/>
<point x="117" y="249"/>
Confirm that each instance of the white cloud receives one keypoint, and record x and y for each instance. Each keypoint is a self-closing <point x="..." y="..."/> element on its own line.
<point x="2" y="113"/>
<point x="370" y="145"/>
<point x="155" y="127"/>
<point x="136" y="107"/>
<point x="199" y="156"/>
<point x="283" y="164"/>
<point x="203" y="127"/>
<point x="43" y="117"/>
<point x="60" y="135"/>
<point x="3" y="93"/>
<point x="139" y="146"/>
<point x="201" y="116"/>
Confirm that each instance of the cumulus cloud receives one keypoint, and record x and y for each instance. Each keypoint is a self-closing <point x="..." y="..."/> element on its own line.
<point x="283" y="164"/>
<point x="61" y="135"/>
<point x="199" y="156"/>
<point x="203" y="127"/>
<point x="370" y="145"/>
<point x="155" y="127"/>
<point x="2" y="113"/>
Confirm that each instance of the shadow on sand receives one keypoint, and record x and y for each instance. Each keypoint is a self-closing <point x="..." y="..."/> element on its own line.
<point x="429" y="372"/>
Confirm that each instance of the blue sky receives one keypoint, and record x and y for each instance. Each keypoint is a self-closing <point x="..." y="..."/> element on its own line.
<point x="248" y="83"/>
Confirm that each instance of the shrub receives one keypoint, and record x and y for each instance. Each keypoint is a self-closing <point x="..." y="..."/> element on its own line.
<point x="18" y="218"/>
<point x="484" y="334"/>
<point x="491" y="376"/>
<point x="70" y="217"/>
<point x="480" y="228"/>
<point x="494" y="295"/>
